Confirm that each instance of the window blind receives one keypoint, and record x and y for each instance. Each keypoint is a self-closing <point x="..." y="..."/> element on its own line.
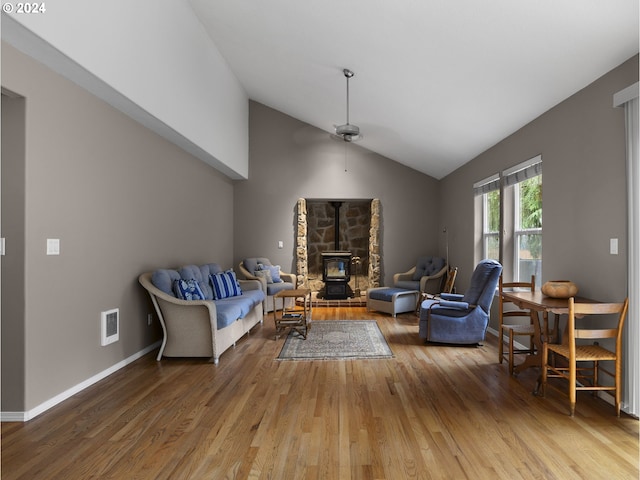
<point x="529" y="169"/>
<point x="487" y="185"/>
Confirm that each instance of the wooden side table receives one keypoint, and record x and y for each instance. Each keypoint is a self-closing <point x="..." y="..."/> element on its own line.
<point x="297" y="318"/>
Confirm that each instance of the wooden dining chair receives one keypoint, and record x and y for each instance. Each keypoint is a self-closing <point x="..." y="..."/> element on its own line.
<point x="579" y="375"/>
<point x="450" y="281"/>
<point x="508" y="312"/>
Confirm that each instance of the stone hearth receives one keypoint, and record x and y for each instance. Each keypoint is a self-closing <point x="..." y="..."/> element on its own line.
<point x="359" y="233"/>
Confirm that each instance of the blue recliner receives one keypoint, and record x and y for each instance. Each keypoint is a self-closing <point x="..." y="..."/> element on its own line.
<point x="462" y="319"/>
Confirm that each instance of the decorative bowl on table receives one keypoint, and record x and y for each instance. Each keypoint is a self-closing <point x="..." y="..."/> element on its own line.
<point x="559" y="289"/>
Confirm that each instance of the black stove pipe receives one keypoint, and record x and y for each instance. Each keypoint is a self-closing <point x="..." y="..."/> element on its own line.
<point x="336" y="238"/>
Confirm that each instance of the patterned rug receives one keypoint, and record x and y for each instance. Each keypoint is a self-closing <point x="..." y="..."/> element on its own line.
<point x="337" y="339"/>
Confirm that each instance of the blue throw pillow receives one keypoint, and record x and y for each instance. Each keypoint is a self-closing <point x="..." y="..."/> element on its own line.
<point x="225" y="285"/>
<point x="275" y="272"/>
<point x="187" y="290"/>
<point x="266" y="274"/>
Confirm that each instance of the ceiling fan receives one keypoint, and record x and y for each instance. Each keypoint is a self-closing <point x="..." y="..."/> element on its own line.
<point x="348" y="132"/>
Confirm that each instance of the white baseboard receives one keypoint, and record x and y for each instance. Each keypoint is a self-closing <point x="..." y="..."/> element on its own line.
<point x="492" y="331"/>
<point x="43" y="407"/>
<point x="505" y="339"/>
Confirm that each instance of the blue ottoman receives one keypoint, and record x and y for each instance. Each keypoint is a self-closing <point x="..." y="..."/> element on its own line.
<point x="392" y="300"/>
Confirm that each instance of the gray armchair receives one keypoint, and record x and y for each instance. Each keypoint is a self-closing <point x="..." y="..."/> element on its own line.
<point x="426" y="277"/>
<point x="250" y="269"/>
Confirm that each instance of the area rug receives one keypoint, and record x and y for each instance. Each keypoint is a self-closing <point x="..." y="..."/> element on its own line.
<point x="337" y="339"/>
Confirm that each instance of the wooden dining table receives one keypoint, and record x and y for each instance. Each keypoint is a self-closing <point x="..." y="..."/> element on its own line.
<point x="538" y="303"/>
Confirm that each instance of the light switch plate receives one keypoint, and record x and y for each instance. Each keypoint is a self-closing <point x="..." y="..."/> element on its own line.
<point x="2" y="246"/>
<point x="53" y="246"/>
<point x="280" y="244"/>
<point x="613" y="246"/>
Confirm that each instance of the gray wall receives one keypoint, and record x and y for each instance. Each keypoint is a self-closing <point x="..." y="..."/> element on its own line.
<point x="13" y="230"/>
<point x="289" y="159"/>
<point x="582" y="143"/>
<point x="122" y="201"/>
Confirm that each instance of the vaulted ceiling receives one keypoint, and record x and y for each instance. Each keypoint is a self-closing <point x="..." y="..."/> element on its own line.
<point x="436" y="82"/>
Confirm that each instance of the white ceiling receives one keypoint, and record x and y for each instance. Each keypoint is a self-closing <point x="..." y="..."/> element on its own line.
<point x="437" y="81"/>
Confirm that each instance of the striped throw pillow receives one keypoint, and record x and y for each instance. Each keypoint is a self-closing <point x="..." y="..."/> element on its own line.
<point x="225" y="285"/>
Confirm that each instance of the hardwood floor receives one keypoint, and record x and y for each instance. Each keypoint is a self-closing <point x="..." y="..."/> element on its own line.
<point x="430" y="412"/>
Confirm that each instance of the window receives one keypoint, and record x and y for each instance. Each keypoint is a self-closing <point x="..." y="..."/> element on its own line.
<point x="528" y="229"/>
<point x="488" y="192"/>
<point x="491" y="224"/>
<point x="509" y="220"/>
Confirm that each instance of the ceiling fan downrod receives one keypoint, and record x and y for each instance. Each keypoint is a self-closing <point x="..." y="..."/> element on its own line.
<point x="348" y="132"/>
<point x="348" y="74"/>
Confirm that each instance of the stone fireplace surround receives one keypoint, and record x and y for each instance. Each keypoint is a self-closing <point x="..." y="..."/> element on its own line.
<point x="315" y="219"/>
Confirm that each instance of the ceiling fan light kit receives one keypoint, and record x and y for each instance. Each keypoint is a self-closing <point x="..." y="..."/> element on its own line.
<point x="348" y="132"/>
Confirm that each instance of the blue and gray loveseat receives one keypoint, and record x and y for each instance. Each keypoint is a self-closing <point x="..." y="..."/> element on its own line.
<point x="203" y="310"/>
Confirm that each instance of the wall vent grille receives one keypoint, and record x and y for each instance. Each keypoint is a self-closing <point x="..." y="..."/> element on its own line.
<point x="110" y="326"/>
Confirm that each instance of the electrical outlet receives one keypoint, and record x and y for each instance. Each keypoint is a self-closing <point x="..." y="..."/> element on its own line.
<point x="149" y="319"/>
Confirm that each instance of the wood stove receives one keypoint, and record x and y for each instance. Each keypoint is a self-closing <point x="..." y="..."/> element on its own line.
<point x="336" y="273"/>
